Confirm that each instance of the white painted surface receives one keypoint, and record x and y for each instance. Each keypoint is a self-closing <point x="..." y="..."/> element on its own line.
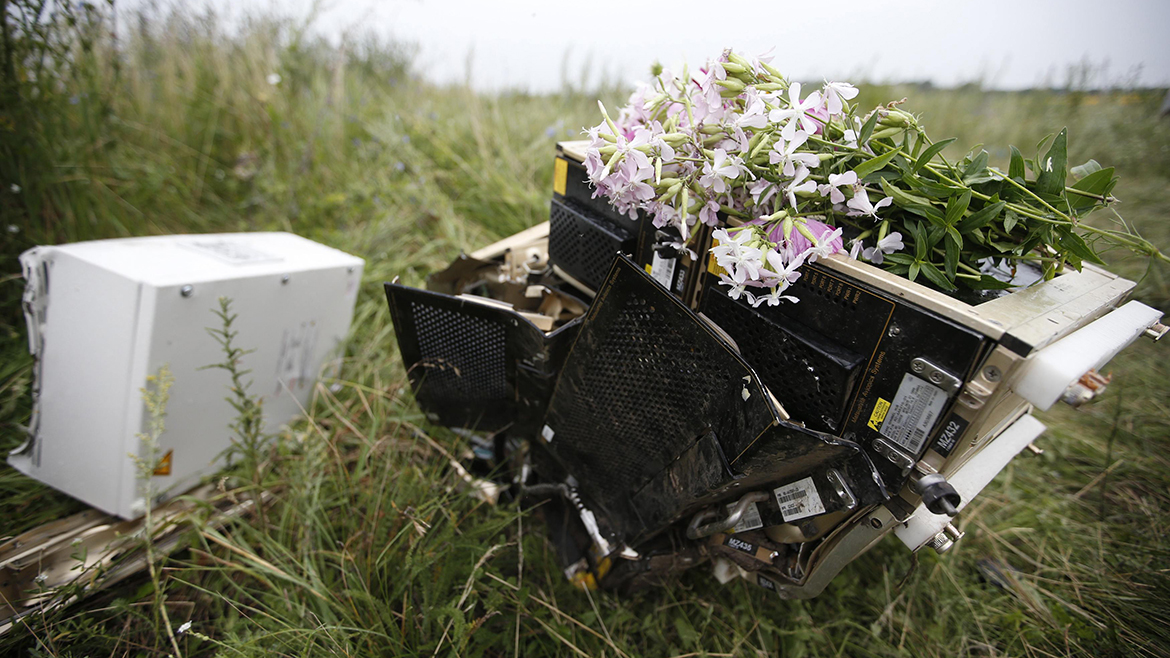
<point x="114" y="314"/>
<point x="1049" y="372"/>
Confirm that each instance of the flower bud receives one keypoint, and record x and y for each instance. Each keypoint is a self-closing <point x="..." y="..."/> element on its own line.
<point x="731" y="84"/>
<point x="770" y="86"/>
<point x="733" y="68"/>
<point x="737" y="60"/>
<point x="886" y="132"/>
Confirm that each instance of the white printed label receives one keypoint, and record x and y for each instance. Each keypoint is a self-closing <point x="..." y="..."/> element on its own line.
<point x="799" y="500"/>
<point x="662" y="269"/>
<point x="750" y="519"/>
<point x="547" y="432"/>
<point x="913" y="412"/>
<point x="230" y="251"/>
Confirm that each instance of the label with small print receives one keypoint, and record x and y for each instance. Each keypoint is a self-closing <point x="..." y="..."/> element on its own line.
<point x="662" y="270"/>
<point x="916" y="406"/>
<point x="765" y="583"/>
<point x="952" y="431"/>
<point x="799" y="500"/>
<point x="750" y="519"/>
<point x="740" y="545"/>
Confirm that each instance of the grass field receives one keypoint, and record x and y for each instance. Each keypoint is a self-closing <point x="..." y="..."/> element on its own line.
<point x="369" y="548"/>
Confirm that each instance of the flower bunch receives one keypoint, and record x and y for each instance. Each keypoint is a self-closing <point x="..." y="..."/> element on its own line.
<point x="789" y="175"/>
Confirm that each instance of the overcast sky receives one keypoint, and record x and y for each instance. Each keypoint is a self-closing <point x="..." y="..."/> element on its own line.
<point x="529" y="44"/>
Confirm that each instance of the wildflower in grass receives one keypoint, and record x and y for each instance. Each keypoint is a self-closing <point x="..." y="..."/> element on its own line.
<point x="15" y="188"/>
<point x="887" y="245"/>
<point x="796" y="115"/>
<point x="836" y="94"/>
<point x="274" y="79"/>
<point x="860" y="204"/>
<point x="784" y="153"/>
<point x="815" y="239"/>
<point x="799" y="184"/>
<point x="832" y="189"/>
<point x="723" y="167"/>
<point x="737" y="140"/>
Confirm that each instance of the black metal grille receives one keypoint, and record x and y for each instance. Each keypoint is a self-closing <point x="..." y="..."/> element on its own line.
<point x="463" y="355"/>
<point x="583" y="244"/>
<point x="812" y="379"/>
<point x="644" y="381"/>
<point x="643" y="372"/>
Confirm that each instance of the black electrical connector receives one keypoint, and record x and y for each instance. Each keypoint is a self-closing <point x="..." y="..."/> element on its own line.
<point x="937" y="494"/>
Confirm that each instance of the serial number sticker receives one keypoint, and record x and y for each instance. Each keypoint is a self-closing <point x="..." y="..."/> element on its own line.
<point x="880" y="408"/>
<point x="799" y="500"/>
<point x="662" y="270"/>
<point x="750" y="519"/>
<point x="916" y="406"/>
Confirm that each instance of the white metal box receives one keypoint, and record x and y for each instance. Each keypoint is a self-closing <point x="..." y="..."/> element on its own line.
<point x="104" y="315"/>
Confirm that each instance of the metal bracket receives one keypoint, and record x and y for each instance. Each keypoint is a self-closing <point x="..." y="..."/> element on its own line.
<point x="843" y="493"/>
<point x="896" y="456"/>
<point x="936" y="375"/>
<point x="700" y="528"/>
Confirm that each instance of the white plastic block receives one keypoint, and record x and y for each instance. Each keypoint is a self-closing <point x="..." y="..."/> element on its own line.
<point x="1048" y="373"/>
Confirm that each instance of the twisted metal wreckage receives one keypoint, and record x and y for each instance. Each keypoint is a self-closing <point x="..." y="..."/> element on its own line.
<point x="656" y="423"/>
<point x="602" y="377"/>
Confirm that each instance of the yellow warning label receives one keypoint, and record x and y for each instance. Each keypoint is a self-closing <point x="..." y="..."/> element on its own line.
<point x="164" y="464"/>
<point x="649" y="268"/>
<point x="712" y="265"/>
<point x="560" y="175"/>
<point x="880" y="408"/>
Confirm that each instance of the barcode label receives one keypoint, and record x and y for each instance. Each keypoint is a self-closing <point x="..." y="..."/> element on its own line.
<point x="662" y="269"/>
<point x="799" y="500"/>
<point x="913" y="412"/>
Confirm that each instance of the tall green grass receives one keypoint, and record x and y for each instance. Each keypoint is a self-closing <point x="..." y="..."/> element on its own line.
<point x="369" y="546"/>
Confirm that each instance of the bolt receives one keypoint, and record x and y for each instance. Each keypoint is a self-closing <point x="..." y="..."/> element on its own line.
<point x="941" y="543"/>
<point x="186" y="291"/>
<point x="992" y="373"/>
<point x="285" y="279"/>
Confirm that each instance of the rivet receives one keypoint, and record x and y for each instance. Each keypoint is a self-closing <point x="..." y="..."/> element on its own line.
<point x="285" y="279"/>
<point x="186" y="290"/>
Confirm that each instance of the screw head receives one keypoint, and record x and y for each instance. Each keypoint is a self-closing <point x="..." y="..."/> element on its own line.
<point x="917" y="366"/>
<point x="876" y="524"/>
<point x="895" y="330"/>
<point x="936" y="377"/>
<point x="186" y="291"/>
<point x="992" y="374"/>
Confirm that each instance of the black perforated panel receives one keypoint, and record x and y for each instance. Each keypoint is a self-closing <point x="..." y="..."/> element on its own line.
<point x="583" y="244"/>
<point x="463" y="355"/>
<point x="812" y="378"/>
